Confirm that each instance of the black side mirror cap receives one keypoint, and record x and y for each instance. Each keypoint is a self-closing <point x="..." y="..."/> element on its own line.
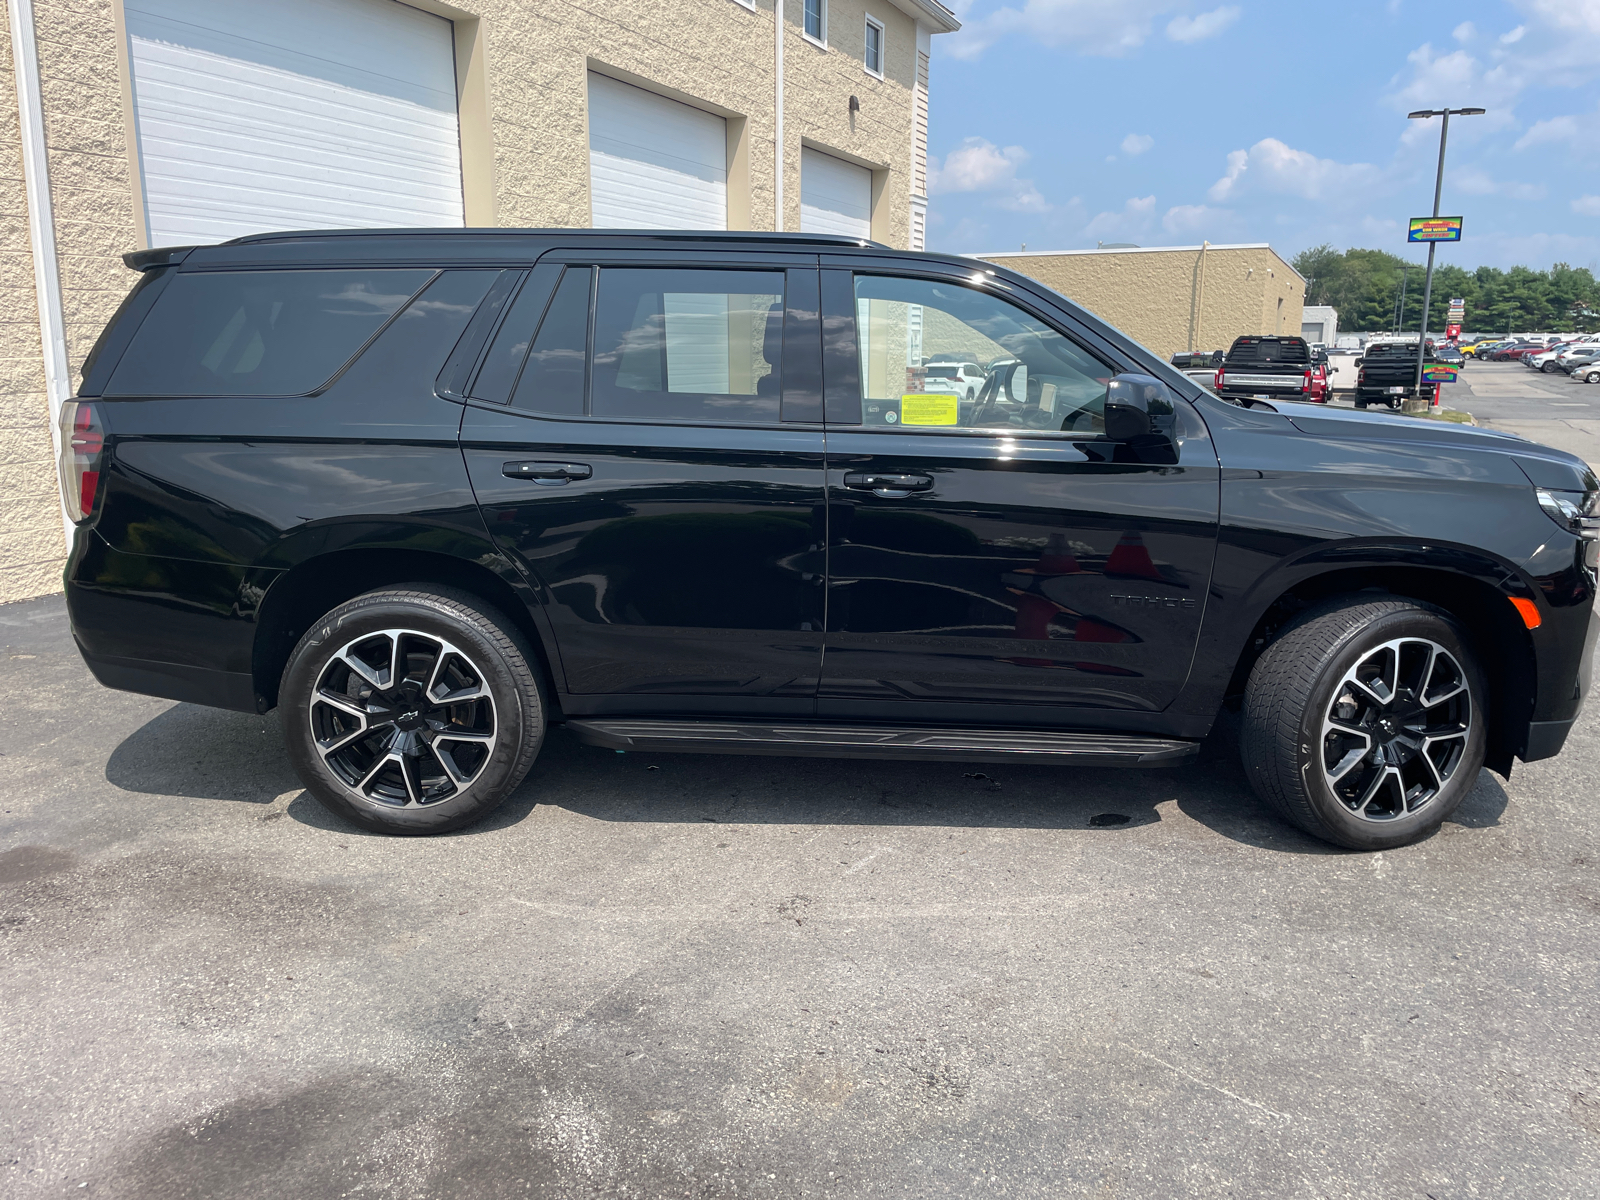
<point x="1142" y="415"/>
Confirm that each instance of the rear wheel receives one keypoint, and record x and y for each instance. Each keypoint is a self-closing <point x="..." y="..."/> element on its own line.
<point x="412" y="710"/>
<point x="1549" y="368"/>
<point x="1363" y="724"/>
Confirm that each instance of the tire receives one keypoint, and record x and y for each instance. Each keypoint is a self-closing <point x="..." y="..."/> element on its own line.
<point x="1592" y="377"/>
<point x="1549" y="368"/>
<point x="1300" y="733"/>
<point x="421" y="768"/>
<point x="1361" y="402"/>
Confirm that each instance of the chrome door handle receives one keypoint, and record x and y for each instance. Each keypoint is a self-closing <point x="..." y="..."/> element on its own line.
<point x="887" y="486"/>
<point x="546" y="472"/>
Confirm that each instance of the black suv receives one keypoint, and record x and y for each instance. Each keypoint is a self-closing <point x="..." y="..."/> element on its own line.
<point x="432" y="491"/>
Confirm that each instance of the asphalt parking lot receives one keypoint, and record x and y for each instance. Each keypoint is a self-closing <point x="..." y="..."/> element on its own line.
<point x="720" y="977"/>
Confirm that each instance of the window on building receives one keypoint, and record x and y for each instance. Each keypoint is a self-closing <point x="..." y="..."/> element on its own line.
<point x="817" y="19"/>
<point x="936" y="356"/>
<point x="259" y="333"/>
<point x="873" y="54"/>
<point x="680" y="345"/>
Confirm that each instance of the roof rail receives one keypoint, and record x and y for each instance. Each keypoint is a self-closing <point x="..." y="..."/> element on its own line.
<point x="670" y="235"/>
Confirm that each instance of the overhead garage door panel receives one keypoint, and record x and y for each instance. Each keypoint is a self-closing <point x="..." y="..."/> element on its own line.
<point x="654" y="163"/>
<point x="835" y="196"/>
<point x="293" y="114"/>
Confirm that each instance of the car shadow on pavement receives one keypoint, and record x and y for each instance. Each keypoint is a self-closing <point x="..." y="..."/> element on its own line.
<point x="208" y="754"/>
<point x="205" y="754"/>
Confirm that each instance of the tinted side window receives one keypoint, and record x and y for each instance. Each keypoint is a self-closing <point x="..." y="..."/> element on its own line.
<point x="258" y="333"/>
<point x="498" y="374"/>
<point x="683" y="345"/>
<point x="938" y="355"/>
<point x="552" y="377"/>
<point x="405" y="359"/>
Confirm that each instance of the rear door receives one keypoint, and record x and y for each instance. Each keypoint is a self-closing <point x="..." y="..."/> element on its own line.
<point x="644" y="436"/>
<point x="998" y="562"/>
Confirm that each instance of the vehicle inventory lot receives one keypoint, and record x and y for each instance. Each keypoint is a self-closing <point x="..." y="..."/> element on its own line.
<point x="764" y="977"/>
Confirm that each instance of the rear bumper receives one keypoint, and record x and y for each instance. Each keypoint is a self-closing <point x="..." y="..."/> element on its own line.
<point x="174" y="681"/>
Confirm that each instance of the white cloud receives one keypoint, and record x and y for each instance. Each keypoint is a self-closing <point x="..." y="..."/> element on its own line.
<point x="1587" y="206"/>
<point x="1580" y="16"/>
<point x="1134" y="217"/>
<point x="1207" y="24"/>
<point x="1193" y="218"/>
<point x="1477" y="182"/>
<point x="1561" y="129"/>
<point x="1464" y="32"/>
<point x="978" y="165"/>
<point x="1137" y="143"/>
<point x="1272" y="166"/>
<point x="1515" y="36"/>
<point x="1107" y="28"/>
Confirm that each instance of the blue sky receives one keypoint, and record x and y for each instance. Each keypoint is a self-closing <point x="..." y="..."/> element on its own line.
<point x="1061" y="123"/>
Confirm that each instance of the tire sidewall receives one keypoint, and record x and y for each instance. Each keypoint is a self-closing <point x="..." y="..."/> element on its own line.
<point x="1349" y="829"/>
<point x="518" y="717"/>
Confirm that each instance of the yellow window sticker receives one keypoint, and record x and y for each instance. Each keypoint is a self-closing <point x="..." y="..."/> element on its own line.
<point x="929" y="410"/>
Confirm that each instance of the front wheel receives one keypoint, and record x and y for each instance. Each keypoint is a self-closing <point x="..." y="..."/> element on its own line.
<point x="412" y="709"/>
<point x="1364" y="722"/>
<point x="1549" y="368"/>
<point x="1592" y="377"/>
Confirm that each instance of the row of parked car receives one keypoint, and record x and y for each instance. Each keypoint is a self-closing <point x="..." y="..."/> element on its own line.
<point x="1578" y="357"/>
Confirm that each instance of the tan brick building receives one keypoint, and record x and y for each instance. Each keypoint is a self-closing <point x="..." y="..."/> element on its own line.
<point x="131" y="123"/>
<point x="1178" y="297"/>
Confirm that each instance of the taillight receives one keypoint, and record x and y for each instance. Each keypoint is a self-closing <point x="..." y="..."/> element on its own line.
<point x="1361" y="377"/>
<point x="1306" y="386"/>
<point x="82" y="442"/>
<point x="1216" y="380"/>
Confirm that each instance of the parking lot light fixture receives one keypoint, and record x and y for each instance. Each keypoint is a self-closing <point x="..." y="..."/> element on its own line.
<point x="1438" y="188"/>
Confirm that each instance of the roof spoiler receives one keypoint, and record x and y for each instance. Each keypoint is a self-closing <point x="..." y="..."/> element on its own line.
<point x="164" y="256"/>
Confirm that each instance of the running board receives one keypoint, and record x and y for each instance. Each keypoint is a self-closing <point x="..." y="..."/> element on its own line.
<point x="884" y="741"/>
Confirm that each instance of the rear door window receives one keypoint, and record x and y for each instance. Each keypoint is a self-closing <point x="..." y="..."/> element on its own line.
<point x="259" y="333"/>
<point x="688" y="345"/>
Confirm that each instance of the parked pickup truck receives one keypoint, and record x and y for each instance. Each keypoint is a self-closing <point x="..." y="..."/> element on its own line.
<point x="1388" y="374"/>
<point x="1265" y="368"/>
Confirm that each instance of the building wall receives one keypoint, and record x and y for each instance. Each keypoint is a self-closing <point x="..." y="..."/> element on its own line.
<point x="1177" y="299"/>
<point x="31" y="544"/>
<point x="522" y="71"/>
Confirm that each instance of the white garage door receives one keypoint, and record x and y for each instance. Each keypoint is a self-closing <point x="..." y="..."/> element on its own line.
<point x="254" y="115"/>
<point x="835" y="196"/>
<point x="654" y="163"/>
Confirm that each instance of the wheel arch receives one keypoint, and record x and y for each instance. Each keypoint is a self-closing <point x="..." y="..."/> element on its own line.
<point x="317" y="584"/>
<point x="1502" y="642"/>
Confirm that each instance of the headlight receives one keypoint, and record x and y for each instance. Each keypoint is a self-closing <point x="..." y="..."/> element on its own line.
<point x="1576" y="512"/>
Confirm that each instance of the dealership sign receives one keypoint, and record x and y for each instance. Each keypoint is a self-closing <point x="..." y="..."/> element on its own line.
<point x="1435" y="229"/>
<point x="1439" y="374"/>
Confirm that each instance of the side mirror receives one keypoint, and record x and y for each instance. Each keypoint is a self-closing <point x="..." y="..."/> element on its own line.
<point x="1141" y="414"/>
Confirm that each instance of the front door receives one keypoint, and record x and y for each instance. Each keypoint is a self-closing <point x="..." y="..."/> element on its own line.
<point x="995" y="558"/>
<point x="645" y="441"/>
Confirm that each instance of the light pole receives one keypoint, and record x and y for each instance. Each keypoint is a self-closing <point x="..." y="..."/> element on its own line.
<point x="1438" y="187"/>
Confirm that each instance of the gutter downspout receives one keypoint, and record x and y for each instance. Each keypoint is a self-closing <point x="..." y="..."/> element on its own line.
<point x="1200" y="308"/>
<point x="777" y="135"/>
<point x="41" y="225"/>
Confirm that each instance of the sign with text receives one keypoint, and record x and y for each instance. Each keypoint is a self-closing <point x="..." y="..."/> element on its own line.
<point x="1452" y="332"/>
<point x="1439" y="374"/>
<point x="1435" y="229"/>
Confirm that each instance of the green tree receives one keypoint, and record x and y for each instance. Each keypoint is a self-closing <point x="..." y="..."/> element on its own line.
<point x="1366" y="285"/>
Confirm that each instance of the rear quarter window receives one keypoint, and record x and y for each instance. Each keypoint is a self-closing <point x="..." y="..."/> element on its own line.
<point x="259" y="333"/>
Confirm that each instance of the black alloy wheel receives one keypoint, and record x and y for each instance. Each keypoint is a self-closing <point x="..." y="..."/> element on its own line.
<point x="1364" y="722"/>
<point x="412" y="710"/>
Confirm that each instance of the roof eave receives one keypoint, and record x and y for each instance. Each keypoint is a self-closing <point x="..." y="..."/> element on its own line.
<point x="931" y="13"/>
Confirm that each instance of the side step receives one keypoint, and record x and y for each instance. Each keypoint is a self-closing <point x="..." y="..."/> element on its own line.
<point x="885" y="741"/>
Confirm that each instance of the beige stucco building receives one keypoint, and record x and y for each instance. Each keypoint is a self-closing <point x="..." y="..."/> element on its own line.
<point x="130" y="123"/>
<point x="1175" y="298"/>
